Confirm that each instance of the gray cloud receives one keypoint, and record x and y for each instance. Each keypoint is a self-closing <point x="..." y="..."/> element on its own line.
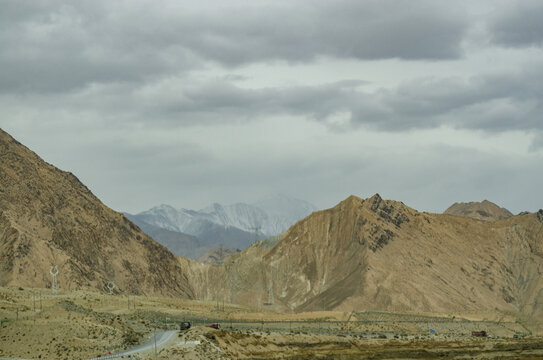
<point x="519" y="25"/>
<point x="56" y="46"/>
<point x="156" y="103"/>
<point x="135" y="175"/>
<point x="490" y="102"/>
<point x="298" y="31"/>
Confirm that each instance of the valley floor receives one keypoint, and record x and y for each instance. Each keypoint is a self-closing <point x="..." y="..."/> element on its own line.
<point x="83" y="325"/>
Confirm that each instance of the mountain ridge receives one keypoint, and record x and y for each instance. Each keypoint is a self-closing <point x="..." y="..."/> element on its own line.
<point x="263" y="214"/>
<point x="234" y="226"/>
<point x="48" y="217"/>
<point x="375" y="254"/>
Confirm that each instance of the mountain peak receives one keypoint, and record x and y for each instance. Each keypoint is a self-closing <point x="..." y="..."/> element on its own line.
<point x="233" y="224"/>
<point x="374" y="202"/>
<point x="352" y="199"/>
<point x="484" y="210"/>
<point x="164" y="207"/>
<point x="382" y="255"/>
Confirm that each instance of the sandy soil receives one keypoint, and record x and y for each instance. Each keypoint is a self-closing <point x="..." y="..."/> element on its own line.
<point x="82" y="325"/>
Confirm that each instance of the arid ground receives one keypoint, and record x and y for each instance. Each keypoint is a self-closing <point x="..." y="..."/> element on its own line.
<point x="83" y="325"/>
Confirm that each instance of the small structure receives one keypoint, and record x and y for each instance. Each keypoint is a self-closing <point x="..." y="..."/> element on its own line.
<point x="54" y="286"/>
<point x="110" y="286"/>
<point x="481" y="333"/>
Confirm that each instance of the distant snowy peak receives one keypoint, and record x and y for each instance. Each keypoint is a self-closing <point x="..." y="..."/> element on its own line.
<point x="167" y="217"/>
<point x="270" y="216"/>
<point x="240" y="215"/>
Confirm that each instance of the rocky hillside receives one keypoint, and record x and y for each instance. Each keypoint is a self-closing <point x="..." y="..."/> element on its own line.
<point x="484" y="210"/>
<point x="48" y="217"/>
<point x="380" y="254"/>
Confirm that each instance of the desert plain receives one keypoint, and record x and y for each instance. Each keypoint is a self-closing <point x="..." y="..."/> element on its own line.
<point x="83" y="325"/>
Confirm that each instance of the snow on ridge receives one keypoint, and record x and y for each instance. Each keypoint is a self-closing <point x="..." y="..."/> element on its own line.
<point x="273" y="215"/>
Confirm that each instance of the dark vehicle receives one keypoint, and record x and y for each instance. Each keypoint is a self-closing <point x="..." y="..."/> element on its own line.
<point x="185" y="325"/>
<point x="478" y="333"/>
<point x="215" y="326"/>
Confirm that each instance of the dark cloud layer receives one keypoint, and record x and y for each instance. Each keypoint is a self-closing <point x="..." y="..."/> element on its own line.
<point x="489" y="102"/>
<point x="58" y="46"/>
<point x="153" y="102"/>
<point x="519" y="25"/>
<point x="55" y="46"/>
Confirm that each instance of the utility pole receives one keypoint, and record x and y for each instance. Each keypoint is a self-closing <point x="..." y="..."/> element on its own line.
<point x="256" y="229"/>
<point x="110" y="286"/>
<point x="54" y="272"/>
<point x="155" y="346"/>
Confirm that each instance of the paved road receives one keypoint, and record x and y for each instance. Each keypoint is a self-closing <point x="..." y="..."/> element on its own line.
<point x="161" y="339"/>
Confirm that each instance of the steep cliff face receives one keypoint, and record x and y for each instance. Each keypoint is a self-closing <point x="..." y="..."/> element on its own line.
<point x="48" y="217"/>
<point x="380" y="254"/>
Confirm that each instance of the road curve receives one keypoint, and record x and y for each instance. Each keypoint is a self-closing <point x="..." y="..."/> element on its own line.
<point x="161" y="339"/>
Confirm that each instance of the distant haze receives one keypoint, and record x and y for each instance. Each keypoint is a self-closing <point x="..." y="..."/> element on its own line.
<point x="191" y="103"/>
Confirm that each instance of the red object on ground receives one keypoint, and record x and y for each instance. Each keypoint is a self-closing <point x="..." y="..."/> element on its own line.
<point x="214" y="326"/>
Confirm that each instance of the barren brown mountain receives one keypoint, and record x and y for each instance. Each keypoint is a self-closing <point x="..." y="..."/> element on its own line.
<point x="48" y="217"/>
<point x="370" y="254"/>
<point x="484" y="210"/>
<point x="380" y="254"/>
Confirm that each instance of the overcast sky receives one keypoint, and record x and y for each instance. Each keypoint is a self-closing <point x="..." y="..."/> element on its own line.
<point x="193" y="102"/>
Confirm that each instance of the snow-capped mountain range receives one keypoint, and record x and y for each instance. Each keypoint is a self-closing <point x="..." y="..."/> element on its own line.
<point x="267" y="217"/>
<point x="192" y="233"/>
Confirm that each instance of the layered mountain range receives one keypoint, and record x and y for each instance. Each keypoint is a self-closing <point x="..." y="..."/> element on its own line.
<point x="233" y="226"/>
<point x="381" y="254"/>
<point x="49" y="218"/>
<point x="361" y="254"/>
